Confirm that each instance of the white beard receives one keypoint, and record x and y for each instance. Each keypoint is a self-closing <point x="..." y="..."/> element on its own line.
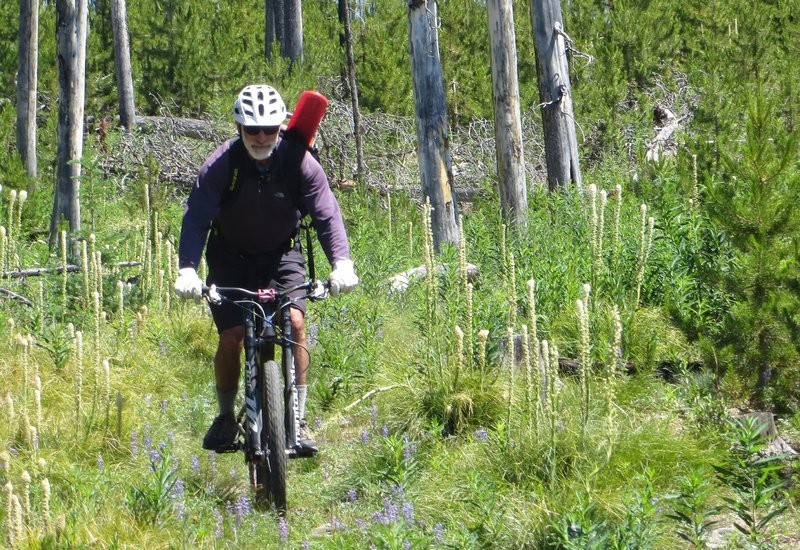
<point x="262" y="153"/>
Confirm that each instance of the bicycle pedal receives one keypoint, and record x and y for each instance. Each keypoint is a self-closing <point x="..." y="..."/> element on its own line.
<point x="302" y="451"/>
<point x="232" y="448"/>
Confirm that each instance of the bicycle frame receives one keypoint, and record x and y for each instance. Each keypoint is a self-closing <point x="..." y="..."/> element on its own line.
<point x="261" y="310"/>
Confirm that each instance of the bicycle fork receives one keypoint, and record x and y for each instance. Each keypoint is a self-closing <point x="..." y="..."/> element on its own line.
<point x="292" y="413"/>
<point x="254" y="423"/>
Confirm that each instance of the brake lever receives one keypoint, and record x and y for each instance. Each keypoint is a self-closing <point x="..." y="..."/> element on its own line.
<point x="213" y="296"/>
<point x="319" y="292"/>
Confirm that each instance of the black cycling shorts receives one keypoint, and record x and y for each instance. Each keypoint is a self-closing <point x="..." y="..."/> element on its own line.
<point x="227" y="267"/>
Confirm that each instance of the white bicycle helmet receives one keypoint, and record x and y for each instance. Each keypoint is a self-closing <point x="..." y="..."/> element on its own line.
<point x="259" y="105"/>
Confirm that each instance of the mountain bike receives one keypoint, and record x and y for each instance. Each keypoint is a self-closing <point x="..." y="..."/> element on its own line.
<point x="268" y="421"/>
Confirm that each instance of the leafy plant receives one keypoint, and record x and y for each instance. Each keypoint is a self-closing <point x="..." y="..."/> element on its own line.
<point x="753" y="476"/>
<point x="579" y="529"/>
<point x="151" y="500"/>
<point x="692" y="508"/>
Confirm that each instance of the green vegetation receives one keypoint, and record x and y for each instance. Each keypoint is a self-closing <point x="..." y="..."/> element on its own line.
<point x="576" y="393"/>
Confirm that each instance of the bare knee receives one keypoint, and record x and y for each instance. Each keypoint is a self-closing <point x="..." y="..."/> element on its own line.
<point x="298" y="323"/>
<point x="231" y="341"/>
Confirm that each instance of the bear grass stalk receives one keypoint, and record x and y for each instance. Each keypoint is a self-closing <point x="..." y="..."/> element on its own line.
<point x="645" y="244"/>
<point x="63" y="250"/>
<point x="615" y="243"/>
<point x="78" y="377"/>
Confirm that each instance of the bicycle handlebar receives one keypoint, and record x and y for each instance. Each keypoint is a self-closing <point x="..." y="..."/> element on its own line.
<point x="218" y="294"/>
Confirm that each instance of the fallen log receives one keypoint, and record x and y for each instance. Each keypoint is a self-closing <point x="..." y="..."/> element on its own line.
<point x="4" y="292"/>
<point x="32" y="272"/>
<point x="186" y="127"/>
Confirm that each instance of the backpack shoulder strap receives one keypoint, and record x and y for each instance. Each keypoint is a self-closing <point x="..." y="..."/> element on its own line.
<point x="235" y="162"/>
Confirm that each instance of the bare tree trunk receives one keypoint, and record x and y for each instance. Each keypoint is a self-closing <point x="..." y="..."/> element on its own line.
<point x="277" y="11"/>
<point x="507" y="118"/>
<point x="270" y="30"/>
<point x="344" y="18"/>
<point x="71" y="53"/>
<point x="293" y="29"/>
<point x="122" y="56"/>
<point x="555" y="92"/>
<point x="433" y="148"/>
<point x="27" y="58"/>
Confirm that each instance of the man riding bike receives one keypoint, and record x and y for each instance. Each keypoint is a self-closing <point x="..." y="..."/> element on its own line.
<point x="248" y="200"/>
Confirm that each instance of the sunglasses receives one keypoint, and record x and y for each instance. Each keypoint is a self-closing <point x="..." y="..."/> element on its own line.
<point x="255" y="130"/>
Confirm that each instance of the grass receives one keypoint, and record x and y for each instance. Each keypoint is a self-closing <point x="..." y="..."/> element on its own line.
<point x="420" y="446"/>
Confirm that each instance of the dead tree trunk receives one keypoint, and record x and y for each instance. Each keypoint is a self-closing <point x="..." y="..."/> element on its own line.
<point x="555" y="92"/>
<point x="27" y="61"/>
<point x="71" y="28"/>
<point x="276" y="23"/>
<point x="292" y="46"/>
<point x="347" y="40"/>
<point x="507" y="118"/>
<point x="433" y="148"/>
<point x="122" y="56"/>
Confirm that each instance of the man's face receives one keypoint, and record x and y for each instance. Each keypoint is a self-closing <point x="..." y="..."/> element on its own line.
<point x="259" y="140"/>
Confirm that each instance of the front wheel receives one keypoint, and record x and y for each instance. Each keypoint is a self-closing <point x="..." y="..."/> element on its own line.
<point x="271" y="471"/>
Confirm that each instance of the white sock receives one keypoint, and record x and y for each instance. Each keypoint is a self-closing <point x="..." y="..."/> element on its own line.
<point x="302" y="392"/>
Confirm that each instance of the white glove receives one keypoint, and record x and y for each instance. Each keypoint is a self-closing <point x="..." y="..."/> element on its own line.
<point x="343" y="277"/>
<point x="188" y="284"/>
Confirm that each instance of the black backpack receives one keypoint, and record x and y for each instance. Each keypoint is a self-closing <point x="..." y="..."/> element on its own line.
<point x="290" y="157"/>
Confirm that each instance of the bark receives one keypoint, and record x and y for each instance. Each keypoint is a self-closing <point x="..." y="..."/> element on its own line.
<point x="555" y="92"/>
<point x="27" y="61"/>
<point x="292" y="46"/>
<point x="433" y="148"/>
<point x="122" y="57"/>
<point x="71" y="22"/>
<point x="347" y="39"/>
<point x="507" y="117"/>
<point x="270" y="29"/>
<point x="276" y="25"/>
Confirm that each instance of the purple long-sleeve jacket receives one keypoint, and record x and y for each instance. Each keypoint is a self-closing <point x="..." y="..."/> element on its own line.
<point x="263" y="212"/>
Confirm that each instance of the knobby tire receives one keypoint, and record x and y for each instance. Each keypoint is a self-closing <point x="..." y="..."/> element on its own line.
<point x="271" y="473"/>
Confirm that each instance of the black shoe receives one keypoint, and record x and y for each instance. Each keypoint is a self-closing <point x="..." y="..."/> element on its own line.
<point x="305" y="439"/>
<point x="221" y="436"/>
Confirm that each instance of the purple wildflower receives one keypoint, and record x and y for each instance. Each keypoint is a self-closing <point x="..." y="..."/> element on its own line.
<point x="283" y="530"/>
<point x="438" y="533"/>
<point x="242" y="508"/>
<point x="218" y="524"/>
<point x="408" y="511"/>
<point x="364" y="437"/>
<point x="352" y="495"/>
<point x="390" y="510"/>
<point x="385" y="431"/>
<point x="134" y="443"/>
<point x="195" y="464"/>
<point x="155" y="458"/>
<point x="100" y="461"/>
<point x="212" y="462"/>
<point x="373" y="413"/>
<point x="177" y="489"/>
<point x="164" y="403"/>
<point x="481" y="434"/>
<point x="407" y="544"/>
<point x="306" y="545"/>
<point x="147" y="441"/>
<point x="360" y="523"/>
<point x="179" y="509"/>
<point x="338" y="525"/>
<point x="380" y="517"/>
